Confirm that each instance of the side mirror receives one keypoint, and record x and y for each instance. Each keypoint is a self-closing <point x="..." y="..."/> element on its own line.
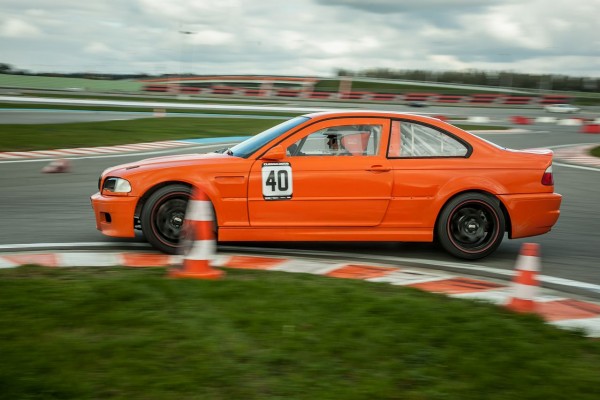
<point x="274" y="153"/>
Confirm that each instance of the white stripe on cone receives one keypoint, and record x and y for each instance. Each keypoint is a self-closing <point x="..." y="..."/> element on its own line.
<point x="528" y="263"/>
<point x="201" y="250"/>
<point x="524" y="292"/>
<point x="199" y="210"/>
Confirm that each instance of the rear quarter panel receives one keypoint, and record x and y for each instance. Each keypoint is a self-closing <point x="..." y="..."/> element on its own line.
<point x="423" y="186"/>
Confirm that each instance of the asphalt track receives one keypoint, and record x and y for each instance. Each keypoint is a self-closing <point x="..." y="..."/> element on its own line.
<point x="54" y="208"/>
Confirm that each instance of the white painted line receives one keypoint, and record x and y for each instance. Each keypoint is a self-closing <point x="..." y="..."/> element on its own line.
<point x="591" y="326"/>
<point x="409" y="277"/>
<point x="308" y="267"/>
<point x="89" y="259"/>
<point x="497" y="296"/>
<point x="576" y="166"/>
<point x="118" y="155"/>
<point x="30" y="246"/>
<point x="433" y="264"/>
<point x="4" y="263"/>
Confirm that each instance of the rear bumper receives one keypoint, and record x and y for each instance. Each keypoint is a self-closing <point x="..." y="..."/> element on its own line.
<point x="532" y="214"/>
<point x="114" y="214"/>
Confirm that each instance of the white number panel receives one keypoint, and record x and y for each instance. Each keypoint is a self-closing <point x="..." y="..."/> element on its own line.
<point x="277" y="181"/>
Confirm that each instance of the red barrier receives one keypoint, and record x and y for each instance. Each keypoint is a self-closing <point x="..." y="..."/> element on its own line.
<point x="520" y="120"/>
<point x="252" y="92"/>
<point x="319" y="95"/>
<point x="517" y="100"/>
<point x="444" y="98"/>
<point x="222" y="90"/>
<point x="383" y="97"/>
<point x="484" y="98"/>
<point x="590" y="128"/>
<point x="418" y="96"/>
<point x="288" y="93"/>
<point x="353" y="95"/>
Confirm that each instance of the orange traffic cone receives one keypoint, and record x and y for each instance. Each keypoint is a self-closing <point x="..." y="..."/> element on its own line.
<point x="198" y="242"/>
<point x="525" y="284"/>
<point x="59" y="165"/>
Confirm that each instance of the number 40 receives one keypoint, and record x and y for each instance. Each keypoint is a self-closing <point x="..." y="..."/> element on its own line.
<point x="281" y="184"/>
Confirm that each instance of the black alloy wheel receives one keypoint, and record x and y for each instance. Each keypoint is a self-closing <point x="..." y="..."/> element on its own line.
<point x="163" y="215"/>
<point x="471" y="226"/>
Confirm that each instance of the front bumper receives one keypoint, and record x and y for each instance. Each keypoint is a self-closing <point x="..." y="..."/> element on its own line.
<point x="532" y="214"/>
<point x="114" y="214"/>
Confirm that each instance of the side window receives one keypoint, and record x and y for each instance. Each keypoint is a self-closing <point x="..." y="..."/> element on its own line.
<point x="342" y="140"/>
<point x="409" y="139"/>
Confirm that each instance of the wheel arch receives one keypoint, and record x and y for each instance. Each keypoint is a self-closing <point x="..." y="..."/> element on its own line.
<point x="506" y="215"/>
<point x="142" y="201"/>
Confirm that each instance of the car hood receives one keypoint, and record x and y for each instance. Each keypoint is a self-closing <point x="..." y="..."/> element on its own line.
<point x="171" y="161"/>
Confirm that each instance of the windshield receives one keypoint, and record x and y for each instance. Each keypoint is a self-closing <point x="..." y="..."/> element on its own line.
<point x="249" y="146"/>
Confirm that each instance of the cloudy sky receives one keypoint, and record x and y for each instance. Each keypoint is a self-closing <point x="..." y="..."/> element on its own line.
<point x="300" y="37"/>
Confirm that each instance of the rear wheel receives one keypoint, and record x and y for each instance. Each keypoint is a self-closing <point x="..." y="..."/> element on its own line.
<point x="471" y="226"/>
<point x="163" y="215"/>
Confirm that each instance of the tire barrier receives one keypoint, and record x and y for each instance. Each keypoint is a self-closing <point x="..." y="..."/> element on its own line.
<point x="198" y="240"/>
<point x="525" y="284"/>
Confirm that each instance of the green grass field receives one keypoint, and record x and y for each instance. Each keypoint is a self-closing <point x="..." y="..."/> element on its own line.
<point x="54" y="136"/>
<point x="116" y="333"/>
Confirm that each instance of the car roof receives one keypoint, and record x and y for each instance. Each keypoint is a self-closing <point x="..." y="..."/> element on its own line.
<point x="366" y="114"/>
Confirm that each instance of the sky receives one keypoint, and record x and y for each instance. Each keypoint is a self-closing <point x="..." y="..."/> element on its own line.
<point x="300" y="37"/>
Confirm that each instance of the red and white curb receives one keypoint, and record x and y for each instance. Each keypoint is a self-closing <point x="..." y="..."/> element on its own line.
<point x="555" y="309"/>
<point x="86" y="151"/>
<point x="578" y="155"/>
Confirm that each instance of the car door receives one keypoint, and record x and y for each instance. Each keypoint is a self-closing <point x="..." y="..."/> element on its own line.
<point x="321" y="185"/>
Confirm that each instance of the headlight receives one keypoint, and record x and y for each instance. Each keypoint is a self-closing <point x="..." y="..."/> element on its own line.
<point x="117" y="185"/>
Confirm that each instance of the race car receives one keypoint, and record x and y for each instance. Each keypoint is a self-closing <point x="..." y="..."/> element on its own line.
<point x="342" y="176"/>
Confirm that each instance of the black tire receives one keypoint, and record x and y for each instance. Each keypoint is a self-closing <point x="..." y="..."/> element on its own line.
<point x="162" y="217"/>
<point x="471" y="226"/>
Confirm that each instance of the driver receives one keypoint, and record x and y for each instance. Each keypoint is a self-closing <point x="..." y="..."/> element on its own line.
<point x="334" y="144"/>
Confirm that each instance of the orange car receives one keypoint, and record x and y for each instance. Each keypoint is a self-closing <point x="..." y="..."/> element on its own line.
<point x="342" y="176"/>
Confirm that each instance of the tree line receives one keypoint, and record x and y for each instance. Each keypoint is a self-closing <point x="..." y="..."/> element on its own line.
<point x="469" y="77"/>
<point x="484" y="78"/>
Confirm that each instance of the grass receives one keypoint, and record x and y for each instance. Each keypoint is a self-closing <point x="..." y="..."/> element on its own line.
<point x="23" y="137"/>
<point x="16" y="137"/>
<point x="595" y="151"/>
<point x="116" y="333"/>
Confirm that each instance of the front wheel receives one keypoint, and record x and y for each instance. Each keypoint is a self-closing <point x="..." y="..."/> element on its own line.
<point x="163" y="215"/>
<point x="471" y="226"/>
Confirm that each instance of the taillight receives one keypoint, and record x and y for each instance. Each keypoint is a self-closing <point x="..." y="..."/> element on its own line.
<point x="548" y="178"/>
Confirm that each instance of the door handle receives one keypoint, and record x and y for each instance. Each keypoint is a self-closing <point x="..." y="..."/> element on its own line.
<point x="378" y="168"/>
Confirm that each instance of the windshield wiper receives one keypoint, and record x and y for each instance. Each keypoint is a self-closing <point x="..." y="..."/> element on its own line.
<point x="229" y="152"/>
